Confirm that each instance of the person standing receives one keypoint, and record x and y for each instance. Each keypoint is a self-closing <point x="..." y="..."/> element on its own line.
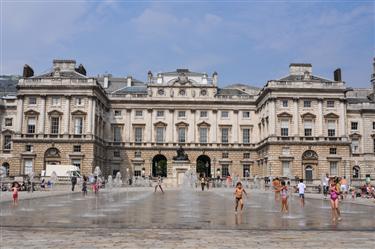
<point x="159" y="185"/>
<point x="284" y="197"/>
<point x="74" y="182"/>
<point x="344" y="187"/>
<point x="301" y="191"/>
<point x="84" y="186"/>
<point x="238" y="194"/>
<point x="203" y="182"/>
<point x="334" y="195"/>
<point x="15" y="189"/>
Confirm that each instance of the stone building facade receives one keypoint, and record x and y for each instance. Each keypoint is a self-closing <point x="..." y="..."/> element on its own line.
<point x="300" y="125"/>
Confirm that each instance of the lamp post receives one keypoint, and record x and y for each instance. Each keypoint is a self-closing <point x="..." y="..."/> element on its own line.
<point x="214" y="161"/>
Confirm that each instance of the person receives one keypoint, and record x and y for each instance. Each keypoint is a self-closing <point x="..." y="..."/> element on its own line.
<point x="15" y="188"/>
<point x="159" y="185"/>
<point x="203" y="182"/>
<point x="334" y="195"/>
<point x="276" y="187"/>
<point x="284" y="197"/>
<point x="43" y="184"/>
<point x="301" y="191"/>
<point x="74" y="182"/>
<point x="344" y="187"/>
<point x="84" y="186"/>
<point x="325" y="185"/>
<point x="238" y="194"/>
<point x="207" y="183"/>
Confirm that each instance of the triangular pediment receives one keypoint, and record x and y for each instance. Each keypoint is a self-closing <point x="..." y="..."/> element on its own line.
<point x="355" y="135"/>
<point x="182" y="124"/>
<point x="55" y="112"/>
<point x="7" y="131"/>
<point x="78" y="112"/>
<point x="160" y="123"/>
<point x="331" y="115"/>
<point x="284" y="115"/>
<point x="31" y="112"/>
<point x="203" y="123"/>
<point x="308" y="115"/>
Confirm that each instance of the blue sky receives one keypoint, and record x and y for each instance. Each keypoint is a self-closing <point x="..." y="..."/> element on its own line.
<point x="244" y="41"/>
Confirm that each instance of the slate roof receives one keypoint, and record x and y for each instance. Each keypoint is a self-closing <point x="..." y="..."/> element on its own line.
<point x="63" y="74"/>
<point x="301" y="78"/>
<point x="117" y="83"/>
<point x="8" y="85"/>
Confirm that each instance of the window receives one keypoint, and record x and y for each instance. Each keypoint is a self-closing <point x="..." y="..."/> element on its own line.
<point x="32" y="100"/>
<point x="181" y="114"/>
<point x="355" y="146"/>
<point x="28" y="148"/>
<point x="138" y="113"/>
<point x="224" y="170"/>
<point x="116" y="153"/>
<point x="224" y="135"/>
<point x="31" y="125"/>
<point x="246" y="136"/>
<point x="7" y="142"/>
<point x="77" y="163"/>
<point x="246" y="155"/>
<point x="137" y="173"/>
<point x="137" y="154"/>
<point x="307" y="103"/>
<point x="77" y="148"/>
<point x="203" y="135"/>
<point x="79" y="101"/>
<point x="331" y="128"/>
<point x="356" y="172"/>
<point x="285" y="127"/>
<point x="160" y="114"/>
<point x="285" y="151"/>
<point x="308" y="128"/>
<point x="117" y="134"/>
<point x="245" y="115"/>
<point x="181" y="135"/>
<point x="160" y="134"/>
<point x="55" y="125"/>
<point x="354" y="126"/>
<point x="373" y="125"/>
<point x="330" y="103"/>
<point x="246" y="170"/>
<point x="78" y="126"/>
<point x="203" y="114"/>
<point x="117" y="113"/>
<point x="138" y="134"/>
<point x="224" y="114"/>
<point x="333" y="168"/>
<point x="332" y="151"/>
<point x="28" y="166"/>
<point x="286" y="168"/>
<point x="8" y="122"/>
<point x="225" y="154"/>
<point x="285" y="103"/>
<point x="55" y="100"/>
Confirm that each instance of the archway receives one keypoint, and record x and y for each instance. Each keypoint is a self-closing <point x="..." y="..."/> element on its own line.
<point x="7" y="167"/>
<point x="52" y="156"/>
<point x="308" y="173"/>
<point x="159" y="166"/>
<point x="203" y="166"/>
<point x="356" y="170"/>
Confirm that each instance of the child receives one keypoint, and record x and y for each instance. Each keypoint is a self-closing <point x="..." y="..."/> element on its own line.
<point x="238" y="194"/>
<point x="284" y="197"/>
<point x="301" y="191"/>
<point x="334" y="194"/>
<point x="84" y="186"/>
<point x="15" y="187"/>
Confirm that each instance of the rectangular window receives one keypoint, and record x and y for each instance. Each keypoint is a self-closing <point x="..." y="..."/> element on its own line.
<point x="225" y="135"/>
<point x="117" y="113"/>
<point x="331" y="128"/>
<point x="308" y="128"/>
<point x="245" y="115"/>
<point x="29" y="148"/>
<point x="159" y="113"/>
<point x="117" y="134"/>
<point x="285" y="128"/>
<point x="77" y="163"/>
<point x="137" y="154"/>
<point x="7" y="142"/>
<point x="138" y="134"/>
<point x="246" y="136"/>
<point x="285" y="103"/>
<point x="286" y="168"/>
<point x="31" y="125"/>
<point x="55" y="100"/>
<point x="354" y="126"/>
<point x="333" y="168"/>
<point x="246" y="155"/>
<point x="55" y="125"/>
<point x="285" y="151"/>
<point x="224" y="114"/>
<point x="225" y="154"/>
<point x="137" y="172"/>
<point x="181" y="114"/>
<point x="373" y="125"/>
<point x="77" y="148"/>
<point x="307" y="103"/>
<point x="203" y="114"/>
<point x="138" y="113"/>
<point x="78" y="126"/>
<point x="181" y="135"/>
<point x="330" y="103"/>
<point x="116" y="153"/>
<point x="8" y="122"/>
<point x="28" y="166"/>
<point x="332" y="151"/>
<point x="355" y="146"/>
<point x="246" y="170"/>
<point x="160" y="134"/>
<point x="32" y="100"/>
<point x="224" y="170"/>
<point x="79" y="101"/>
<point x="203" y="135"/>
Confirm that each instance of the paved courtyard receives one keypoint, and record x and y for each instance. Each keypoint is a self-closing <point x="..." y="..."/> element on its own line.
<point x="180" y="219"/>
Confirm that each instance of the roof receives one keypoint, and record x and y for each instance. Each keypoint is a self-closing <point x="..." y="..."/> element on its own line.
<point x="312" y="78"/>
<point x="63" y="74"/>
<point x="179" y="71"/>
<point x="117" y="83"/>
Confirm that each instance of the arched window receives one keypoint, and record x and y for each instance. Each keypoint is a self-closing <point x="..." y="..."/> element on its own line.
<point x="309" y="173"/>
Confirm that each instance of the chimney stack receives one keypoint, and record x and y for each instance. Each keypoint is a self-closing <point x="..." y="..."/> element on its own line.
<point x="337" y="74"/>
<point x="106" y="81"/>
<point x="129" y="81"/>
<point x="214" y="78"/>
<point x="81" y="69"/>
<point x="27" y="71"/>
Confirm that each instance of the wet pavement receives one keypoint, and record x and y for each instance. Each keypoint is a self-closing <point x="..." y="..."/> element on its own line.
<point x="143" y="219"/>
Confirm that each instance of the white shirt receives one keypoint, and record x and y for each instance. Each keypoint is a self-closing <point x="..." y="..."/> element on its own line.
<point x="301" y="188"/>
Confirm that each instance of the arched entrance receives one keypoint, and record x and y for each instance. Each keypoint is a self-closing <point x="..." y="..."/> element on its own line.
<point x="309" y="173"/>
<point x="309" y="161"/>
<point x="159" y="166"/>
<point x="7" y="167"/>
<point x="52" y="156"/>
<point x="204" y="166"/>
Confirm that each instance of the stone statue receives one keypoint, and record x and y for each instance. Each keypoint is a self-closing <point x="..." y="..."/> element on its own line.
<point x="181" y="155"/>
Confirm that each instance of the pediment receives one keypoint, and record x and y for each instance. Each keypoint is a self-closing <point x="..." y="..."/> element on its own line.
<point x="331" y="115"/>
<point x="284" y="115"/>
<point x="160" y="123"/>
<point x="308" y="115"/>
<point x="203" y="123"/>
<point x="55" y="112"/>
<point x="355" y="135"/>
<point x="182" y="124"/>
<point x="31" y="113"/>
<point x="78" y="112"/>
<point x="7" y="131"/>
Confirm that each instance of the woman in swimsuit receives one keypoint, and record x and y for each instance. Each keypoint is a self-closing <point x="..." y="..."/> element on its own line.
<point x="334" y="194"/>
<point x="238" y="194"/>
<point x="15" y="193"/>
<point x="284" y="197"/>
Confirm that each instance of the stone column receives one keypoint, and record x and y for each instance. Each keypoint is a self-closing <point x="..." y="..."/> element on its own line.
<point x="128" y="125"/>
<point x="295" y="118"/>
<point x="149" y="127"/>
<point x="272" y="118"/>
<point x="342" y="119"/>
<point x="320" y="118"/>
<point x="19" y="114"/>
<point x="66" y="116"/>
<point x="215" y="138"/>
<point x="93" y="121"/>
<point x="194" y="126"/>
<point x="89" y="117"/>
<point x="236" y="129"/>
<point x="173" y="127"/>
<point x="42" y="116"/>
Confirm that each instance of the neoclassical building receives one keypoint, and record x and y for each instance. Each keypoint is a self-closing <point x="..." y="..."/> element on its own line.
<point x="299" y="125"/>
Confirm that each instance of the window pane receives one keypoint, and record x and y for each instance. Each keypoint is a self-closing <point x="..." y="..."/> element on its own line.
<point x="78" y="126"/>
<point x="224" y="135"/>
<point x="138" y="135"/>
<point x="181" y="135"/>
<point x="246" y="136"/>
<point x="160" y="134"/>
<point x="117" y="134"/>
<point x="246" y="170"/>
<point x="286" y="168"/>
<point x="55" y="125"/>
<point x="203" y="135"/>
<point x="333" y="168"/>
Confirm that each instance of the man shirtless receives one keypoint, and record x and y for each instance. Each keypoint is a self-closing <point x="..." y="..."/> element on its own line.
<point x="238" y="194"/>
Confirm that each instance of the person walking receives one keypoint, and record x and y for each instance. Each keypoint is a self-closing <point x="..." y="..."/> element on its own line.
<point x="301" y="191"/>
<point x="159" y="185"/>
<point x="74" y="182"/>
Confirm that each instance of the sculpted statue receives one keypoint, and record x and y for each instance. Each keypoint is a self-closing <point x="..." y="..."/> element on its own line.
<point x="181" y="155"/>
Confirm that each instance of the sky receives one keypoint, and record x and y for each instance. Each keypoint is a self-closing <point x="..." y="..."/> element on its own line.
<point x="244" y="41"/>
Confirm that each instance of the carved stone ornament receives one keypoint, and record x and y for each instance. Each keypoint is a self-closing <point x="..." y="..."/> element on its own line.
<point x="310" y="155"/>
